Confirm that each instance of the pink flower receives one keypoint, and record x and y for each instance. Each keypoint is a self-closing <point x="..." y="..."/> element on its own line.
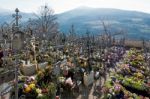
<point x="69" y="81"/>
<point x="25" y="85"/>
<point x="117" y="87"/>
<point x="32" y="78"/>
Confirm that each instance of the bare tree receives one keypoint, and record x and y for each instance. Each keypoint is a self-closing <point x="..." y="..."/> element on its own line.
<point x="72" y="34"/>
<point x="46" y="22"/>
<point x="62" y="38"/>
<point x="5" y="29"/>
<point x="110" y="34"/>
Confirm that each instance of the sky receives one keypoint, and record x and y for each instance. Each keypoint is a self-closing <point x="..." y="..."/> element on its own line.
<point x="60" y="6"/>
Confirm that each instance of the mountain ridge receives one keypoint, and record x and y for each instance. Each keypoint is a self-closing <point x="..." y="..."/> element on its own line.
<point x="135" y="23"/>
<point x="117" y="18"/>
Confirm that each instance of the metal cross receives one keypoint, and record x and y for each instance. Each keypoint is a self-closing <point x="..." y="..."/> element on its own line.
<point x="17" y="17"/>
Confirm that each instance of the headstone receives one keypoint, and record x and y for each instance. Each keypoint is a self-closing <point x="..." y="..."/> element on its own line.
<point x="88" y="78"/>
<point x="43" y="65"/>
<point x="18" y="40"/>
<point x="28" y="70"/>
<point x="57" y="70"/>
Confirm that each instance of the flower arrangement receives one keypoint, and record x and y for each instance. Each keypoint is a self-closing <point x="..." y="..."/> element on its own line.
<point x="117" y="88"/>
<point x="139" y="75"/>
<point x="132" y="74"/>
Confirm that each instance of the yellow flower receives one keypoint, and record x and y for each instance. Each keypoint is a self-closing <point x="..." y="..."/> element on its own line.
<point x="32" y="86"/>
<point x="27" y="89"/>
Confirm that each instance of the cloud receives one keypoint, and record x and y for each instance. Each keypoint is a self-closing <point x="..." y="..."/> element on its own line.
<point x="64" y="5"/>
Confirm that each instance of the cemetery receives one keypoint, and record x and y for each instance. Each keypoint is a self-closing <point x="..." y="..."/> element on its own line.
<point x="33" y="66"/>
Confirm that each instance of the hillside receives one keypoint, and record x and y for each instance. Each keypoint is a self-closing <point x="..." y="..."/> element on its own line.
<point x="135" y="24"/>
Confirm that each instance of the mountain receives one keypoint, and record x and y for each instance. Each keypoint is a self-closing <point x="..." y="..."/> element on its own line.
<point x="6" y="16"/>
<point x="136" y="24"/>
<point x="4" y="11"/>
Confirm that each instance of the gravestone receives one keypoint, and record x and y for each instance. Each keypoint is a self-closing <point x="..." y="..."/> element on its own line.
<point x="28" y="70"/>
<point x="18" y="40"/>
<point x="56" y="69"/>
<point x="88" y="78"/>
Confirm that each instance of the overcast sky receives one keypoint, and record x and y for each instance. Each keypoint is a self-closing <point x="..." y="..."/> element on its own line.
<point x="65" y="5"/>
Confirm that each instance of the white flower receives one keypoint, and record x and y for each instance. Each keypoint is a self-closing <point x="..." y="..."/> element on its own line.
<point x="40" y="95"/>
<point x="39" y="91"/>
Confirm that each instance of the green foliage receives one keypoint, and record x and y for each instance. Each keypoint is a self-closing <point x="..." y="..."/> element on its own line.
<point x="138" y="85"/>
<point x="43" y="85"/>
<point x="43" y="97"/>
<point x="119" y="77"/>
<point x="33" y="92"/>
<point x="109" y="84"/>
<point x="51" y="90"/>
